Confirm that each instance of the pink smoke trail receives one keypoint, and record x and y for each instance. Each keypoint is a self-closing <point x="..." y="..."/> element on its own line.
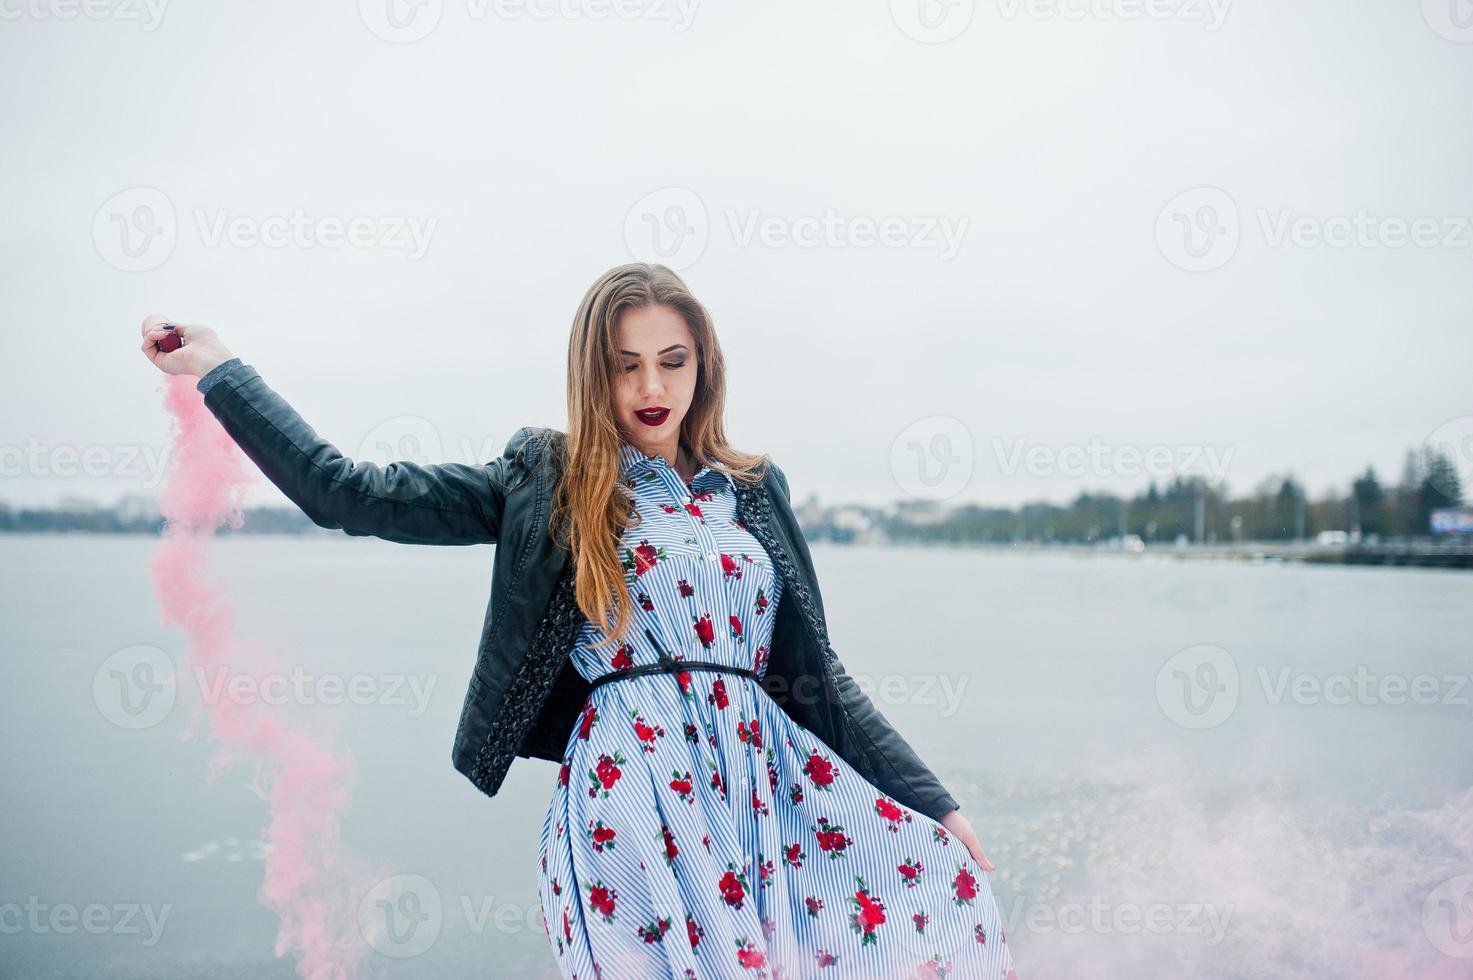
<point x="311" y="882"/>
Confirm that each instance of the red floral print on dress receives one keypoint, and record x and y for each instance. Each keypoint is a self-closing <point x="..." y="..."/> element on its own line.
<point x="602" y="900"/>
<point x="682" y="784"/>
<point x="892" y="814"/>
<point x="643" y="557"/>
<point x="600" y="836"/>
<point x="911" y="872"/>
<point x="668" y="839"/>
<point x="820" y="769"/>
<point x="655" y="931"/>
<point x="867" y="915"/>
<point x="831" y="837"/>
<point x="733" y="886"/>
<point x="750" y="956"/>
<point x="964" y="886"/>
<point x="645" y="732"/>
<point x="606" y="773"/>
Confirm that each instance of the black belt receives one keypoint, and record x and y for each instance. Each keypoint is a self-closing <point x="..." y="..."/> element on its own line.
<point x="669" y="665"/>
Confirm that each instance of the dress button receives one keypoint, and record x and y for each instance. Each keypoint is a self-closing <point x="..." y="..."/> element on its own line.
<point x="710" y="556"/>
<point x="685" y="500"/>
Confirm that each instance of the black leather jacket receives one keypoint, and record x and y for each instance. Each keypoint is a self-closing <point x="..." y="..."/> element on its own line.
<point x="524" y="695"/>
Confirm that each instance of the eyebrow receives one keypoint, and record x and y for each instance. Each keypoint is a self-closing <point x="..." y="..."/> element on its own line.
<point x="667" y="350"/>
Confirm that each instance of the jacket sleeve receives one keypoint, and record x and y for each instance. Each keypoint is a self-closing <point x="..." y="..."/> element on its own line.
<point x="405" y="502"/>
<point x="896" y="767"/>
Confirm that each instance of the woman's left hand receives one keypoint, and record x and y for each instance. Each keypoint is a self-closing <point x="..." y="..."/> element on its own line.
<point x="961" y="829"/>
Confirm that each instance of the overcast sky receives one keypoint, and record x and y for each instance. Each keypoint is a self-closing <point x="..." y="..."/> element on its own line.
<point x="948" y="249"/>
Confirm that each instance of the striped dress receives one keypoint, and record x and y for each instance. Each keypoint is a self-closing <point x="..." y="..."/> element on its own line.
<point x="696" y="831"/>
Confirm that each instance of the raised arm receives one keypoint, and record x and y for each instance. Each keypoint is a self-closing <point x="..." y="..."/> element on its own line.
<point x="405" y="502"/>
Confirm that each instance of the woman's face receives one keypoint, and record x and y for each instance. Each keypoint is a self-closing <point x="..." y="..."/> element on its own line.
<point x="656" y="378"/>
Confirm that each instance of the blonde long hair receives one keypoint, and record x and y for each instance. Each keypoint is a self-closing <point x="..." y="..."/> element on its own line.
<point x="591" y="503"/>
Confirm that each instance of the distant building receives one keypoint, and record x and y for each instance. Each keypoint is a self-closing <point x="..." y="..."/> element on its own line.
<point x="1451" y="520"/>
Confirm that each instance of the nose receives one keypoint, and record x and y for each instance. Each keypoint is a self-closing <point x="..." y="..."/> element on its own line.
<point x="650" y="385"/>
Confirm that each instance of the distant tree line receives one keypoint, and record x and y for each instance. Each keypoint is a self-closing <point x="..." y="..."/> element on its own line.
<point x="1277" y="509"/>
<point x="106" y="520"/>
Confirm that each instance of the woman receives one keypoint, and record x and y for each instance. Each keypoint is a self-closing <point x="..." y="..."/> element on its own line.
<point x="705" y="821"/>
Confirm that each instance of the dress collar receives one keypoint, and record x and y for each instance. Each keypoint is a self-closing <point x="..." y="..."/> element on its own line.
<point x="633" y="463"/>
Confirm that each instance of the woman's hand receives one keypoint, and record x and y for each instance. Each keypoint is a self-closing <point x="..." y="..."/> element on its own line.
<point x="961" y="829"/>
<point x="200" y="348"/>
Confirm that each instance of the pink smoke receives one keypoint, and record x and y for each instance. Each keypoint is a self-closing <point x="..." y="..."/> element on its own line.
<point x="311" y="882"/>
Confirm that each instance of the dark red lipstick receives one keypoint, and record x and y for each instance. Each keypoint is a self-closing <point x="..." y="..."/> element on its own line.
<point x="653" y="416"/>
